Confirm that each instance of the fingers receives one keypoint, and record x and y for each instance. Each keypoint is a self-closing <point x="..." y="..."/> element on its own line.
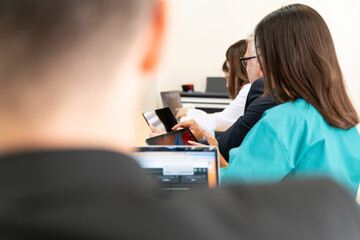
<point x="154" y="134"/>
<point x="155" y="131"/>
<point x="152" y="128"/>
<point x="185" y="124"/>
<point x="179" y="113"/>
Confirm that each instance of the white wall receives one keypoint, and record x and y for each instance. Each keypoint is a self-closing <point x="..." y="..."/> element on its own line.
<point x="200" y="31"/>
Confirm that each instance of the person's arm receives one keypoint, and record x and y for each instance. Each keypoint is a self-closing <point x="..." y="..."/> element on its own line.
<point x="234" y="136"/>
<point x="262" y="157"/>
<point x="211" y="140"/>
<point x="155" y="131"/>
<point x="192" y="125"/>
<point x="181" y="112"/>
<point x="201" y="118"/>
<point x="221" y="121"/>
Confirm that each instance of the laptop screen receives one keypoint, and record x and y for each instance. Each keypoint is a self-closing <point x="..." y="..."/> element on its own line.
<point x="180" y="168"/>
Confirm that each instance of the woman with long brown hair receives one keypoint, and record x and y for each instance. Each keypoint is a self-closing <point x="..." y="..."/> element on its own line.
<point x="238" y="87"/>
<point x="312" y="133"/>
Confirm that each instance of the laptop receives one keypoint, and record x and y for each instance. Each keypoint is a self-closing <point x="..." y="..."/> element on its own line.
<point x="180" y="168"/>
<point x="172" y="100"/>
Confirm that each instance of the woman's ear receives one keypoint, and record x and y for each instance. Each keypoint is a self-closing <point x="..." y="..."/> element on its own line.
<point x="261" y="74"/>
<point x="157" y="29"/>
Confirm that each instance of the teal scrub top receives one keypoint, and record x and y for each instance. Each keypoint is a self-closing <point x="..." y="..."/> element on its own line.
<point x="292" y="140"/>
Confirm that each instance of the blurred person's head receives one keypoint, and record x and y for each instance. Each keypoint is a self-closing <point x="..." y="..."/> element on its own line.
<point x="298" y="59"/>
<point x="225" y="69"/>
<point x="237" y="73"/>
<point x="71" y="71"/>
<point x="250" y="62"/>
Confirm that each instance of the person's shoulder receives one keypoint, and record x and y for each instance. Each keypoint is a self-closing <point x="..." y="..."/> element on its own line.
<point x="256" y="90"/>
<point x="246" y="87"/>
<point x="298" y="111"/>
<point x="258" y="82"/>
<point x="289" y="109"/>
<point x="243" y="93"/>
<point x="257" y="86"/>
<point x="89" y="163"/>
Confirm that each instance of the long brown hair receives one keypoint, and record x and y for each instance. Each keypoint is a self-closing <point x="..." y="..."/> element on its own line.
<point x="237" y="75"/>
<point x="298" y="59"/>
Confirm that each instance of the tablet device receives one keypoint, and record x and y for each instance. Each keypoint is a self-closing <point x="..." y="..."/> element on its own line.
<point x="179" y="137"/>
<point x="161" y="118"/>
<point x="180" y="168"/>
<point x="172" y="100"/>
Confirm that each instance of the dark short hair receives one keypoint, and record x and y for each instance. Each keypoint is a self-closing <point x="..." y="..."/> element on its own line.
<point x="237" y="75"/>
<point x="298" y="59"/>
<point x="225" y="67"/>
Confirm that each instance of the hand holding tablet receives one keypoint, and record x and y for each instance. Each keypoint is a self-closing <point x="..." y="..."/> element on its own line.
<point x="179" y="137"/>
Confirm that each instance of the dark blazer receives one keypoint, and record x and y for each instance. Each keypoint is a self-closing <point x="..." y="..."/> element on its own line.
<point x="89" y="194"/>
<point x="255" y="106"/>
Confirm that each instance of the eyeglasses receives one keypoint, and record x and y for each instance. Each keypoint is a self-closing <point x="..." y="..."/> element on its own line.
<point x="245" y="60"/>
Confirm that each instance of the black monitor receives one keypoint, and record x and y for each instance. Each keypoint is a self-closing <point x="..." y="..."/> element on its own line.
<point x="216" y="85"/>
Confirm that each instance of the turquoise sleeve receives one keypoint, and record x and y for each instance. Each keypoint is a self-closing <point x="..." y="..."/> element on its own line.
<point x="260" y="158"/>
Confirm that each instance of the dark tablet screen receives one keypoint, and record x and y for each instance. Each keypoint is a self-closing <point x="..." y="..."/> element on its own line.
<point x="161" y="118"/>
